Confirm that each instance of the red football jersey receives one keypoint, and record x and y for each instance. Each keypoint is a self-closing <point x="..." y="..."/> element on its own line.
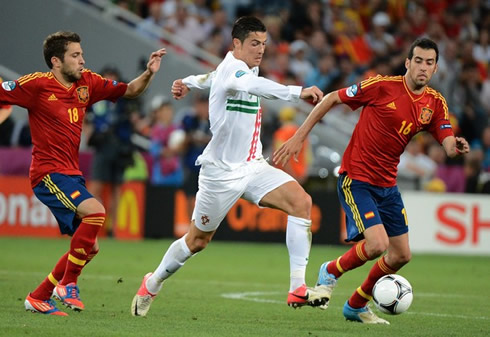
<point x="390" y="117"/>
<point x="56" y="115"/>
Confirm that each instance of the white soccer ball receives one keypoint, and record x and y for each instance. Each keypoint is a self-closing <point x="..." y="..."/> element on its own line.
<point x="392" y="294"/>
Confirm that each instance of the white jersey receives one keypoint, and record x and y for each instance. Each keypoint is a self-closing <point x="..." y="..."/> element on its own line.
<point x="234" y="111"/>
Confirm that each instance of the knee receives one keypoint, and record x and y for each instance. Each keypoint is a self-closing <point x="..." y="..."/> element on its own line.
<point x="401" y="259"/>
<point x="374" y="249"/>
<point x="197" y="244"/>
<point x="301" y="206"/>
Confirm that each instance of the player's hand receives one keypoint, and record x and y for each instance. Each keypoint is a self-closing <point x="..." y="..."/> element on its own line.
<point x="462" y="145"/>
<point x="291" y="147"/>
<point x="155" y="59"/>
<point x="312" y="92"/>
<point x="179" y="89"/>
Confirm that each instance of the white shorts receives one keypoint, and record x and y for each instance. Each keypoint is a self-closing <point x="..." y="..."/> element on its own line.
<point x="219" y="189"/>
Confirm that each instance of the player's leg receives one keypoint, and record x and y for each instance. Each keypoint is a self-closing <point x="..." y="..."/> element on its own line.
<point x="271" y="187"/>
<point x="361" y="217"/>
<point x="213" y="200"/>
<point x="62" y="195"/>
<point x="393" y="237"/>
<point x="82" y="245"/>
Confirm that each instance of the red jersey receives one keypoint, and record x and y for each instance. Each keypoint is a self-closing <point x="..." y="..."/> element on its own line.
<point x="390" y="117"/>
<point x="56" y="115"/>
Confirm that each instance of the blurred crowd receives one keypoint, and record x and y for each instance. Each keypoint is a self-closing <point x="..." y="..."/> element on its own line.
<point x="330" y="44"/>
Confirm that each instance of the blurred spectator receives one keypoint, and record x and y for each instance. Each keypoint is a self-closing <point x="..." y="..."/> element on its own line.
<point x="218" y="25"/>
<point x="152" y="25"/>
<point x="324" y="74"/>
<point x="318" y="46"/>
<point x="298" y="169"/>
<point x="111" y="141"/>
<point x="299" y="64"/>
<point x="472" y="171"/>
<point x="415" y="168"/>
<point x="481" y="50"/>
<point x="353" y="44"/>
<point x="166" y="145"/>
<point x="450" y="171"/>
<point x="486" y="149"/>
<point x="197" y="135"/>
<point x="468" y="30"/>
<point x="185" y="26"/>
<point x="379" y="40"/>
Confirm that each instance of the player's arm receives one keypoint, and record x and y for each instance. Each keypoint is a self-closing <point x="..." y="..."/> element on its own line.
<point x="181" y="87"/>
<point x="140" y="83"/>
<point x="241" y="80"/>
<point x="455" y="146"/>
<point x="293" y="145"/>
<point x="5" y="111"/>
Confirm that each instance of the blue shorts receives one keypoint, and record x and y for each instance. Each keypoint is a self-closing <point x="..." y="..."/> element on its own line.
<point x="366" y="205"/>
<point x="62" y="194"/>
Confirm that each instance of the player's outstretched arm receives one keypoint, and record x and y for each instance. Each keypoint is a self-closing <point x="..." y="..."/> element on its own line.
<point x="137" y="86"/>
<point x="293" y="145"/>
<point x="455" y="146"/>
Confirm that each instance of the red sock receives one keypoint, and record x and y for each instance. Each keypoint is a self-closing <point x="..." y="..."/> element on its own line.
<point x="92" y="254"/>
<point x="81" y="245"/>
<point x="363" y="294"/>
<point x="45" y="289"/>
<point x="355" y="257"/>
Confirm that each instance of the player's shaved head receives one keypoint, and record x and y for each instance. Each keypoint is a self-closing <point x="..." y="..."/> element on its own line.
<point x="56" y="45"/>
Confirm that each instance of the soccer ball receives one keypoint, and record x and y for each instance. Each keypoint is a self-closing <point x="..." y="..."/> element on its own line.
<point x="392" y="294"/>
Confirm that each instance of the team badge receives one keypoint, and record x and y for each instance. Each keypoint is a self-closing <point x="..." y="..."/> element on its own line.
<point x="204" y="220"/>
<point x="425" y="115"/>
<point x="8" y="85"/>
<point x="82" y="93"/>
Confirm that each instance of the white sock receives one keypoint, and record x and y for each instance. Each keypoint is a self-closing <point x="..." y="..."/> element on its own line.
<point x="298" y="241"/>
<point x="174" y="258"/>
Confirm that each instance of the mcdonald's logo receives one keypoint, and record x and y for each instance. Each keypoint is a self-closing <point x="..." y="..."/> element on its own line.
<point x="130" y="210"/>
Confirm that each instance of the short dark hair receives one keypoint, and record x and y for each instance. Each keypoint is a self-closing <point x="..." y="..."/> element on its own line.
<point x="246" y="25"/>
<point x="424" y="43"/>
<point x="56" y="45"/>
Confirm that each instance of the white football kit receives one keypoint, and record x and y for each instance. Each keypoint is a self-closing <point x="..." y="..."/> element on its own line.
<point x="232" y="163"/>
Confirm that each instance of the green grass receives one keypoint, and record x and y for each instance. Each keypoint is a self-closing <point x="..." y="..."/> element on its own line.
<point x="233" y="289"/>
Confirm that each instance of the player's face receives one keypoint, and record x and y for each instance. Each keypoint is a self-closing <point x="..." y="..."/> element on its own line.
<point x="421" y="67"/>
<point x="72" y="65"/>
<point x="252" y="49"/>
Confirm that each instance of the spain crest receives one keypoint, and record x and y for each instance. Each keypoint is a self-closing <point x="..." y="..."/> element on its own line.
<point x="426" y="115"/>
<point x="82" y="93"/>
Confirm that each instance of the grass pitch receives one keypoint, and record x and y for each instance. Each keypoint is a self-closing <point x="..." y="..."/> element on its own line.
<point x="233" y="289"/>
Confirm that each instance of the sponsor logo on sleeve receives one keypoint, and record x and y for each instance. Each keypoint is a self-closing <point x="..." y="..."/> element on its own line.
<point x="239" y="73"/>
<point x="9" y="85"/>
<point x="352" y="90"/>
<point x="114" y="83"/>
<point x="445" y="126"/>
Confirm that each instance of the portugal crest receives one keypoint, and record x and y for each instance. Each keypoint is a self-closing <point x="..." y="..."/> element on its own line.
<point x="82" y="93"/>
<point x="426" y="115"/>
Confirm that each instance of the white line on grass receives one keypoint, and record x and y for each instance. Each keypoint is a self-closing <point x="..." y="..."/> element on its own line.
<point x="254" y="296"/>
